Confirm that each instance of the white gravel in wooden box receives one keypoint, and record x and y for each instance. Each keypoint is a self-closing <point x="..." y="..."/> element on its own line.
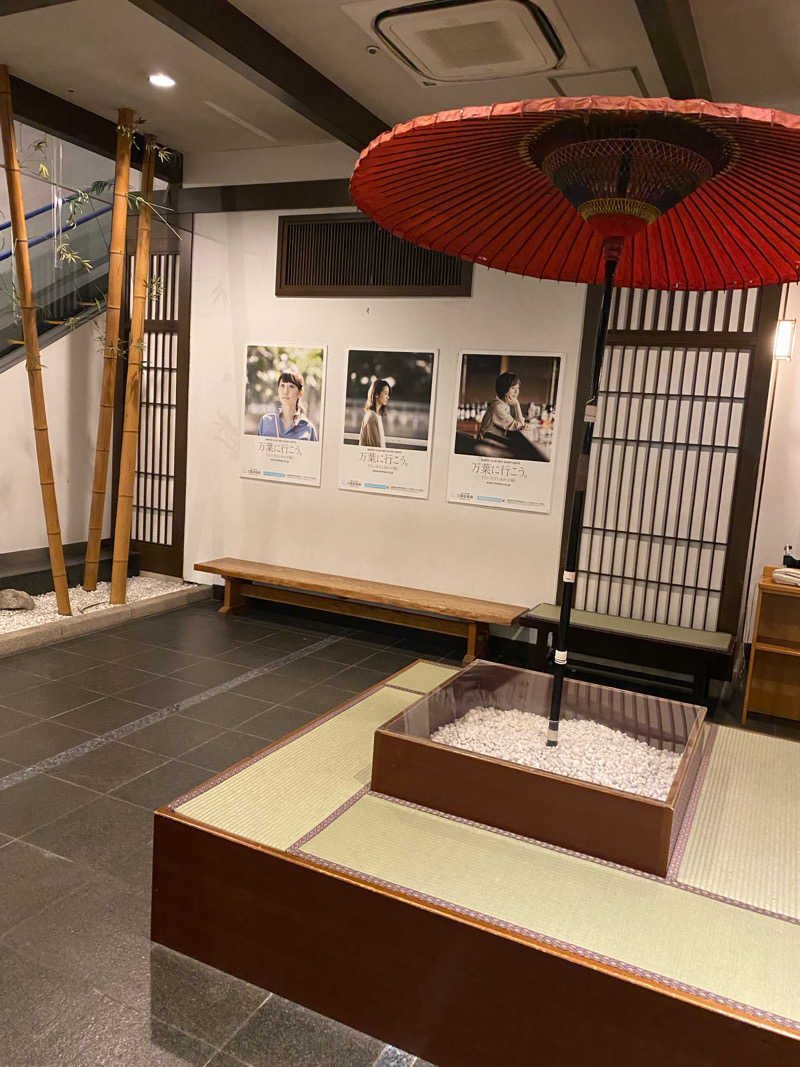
<point x="587" y="751"/>
<point x="82" y="602"/>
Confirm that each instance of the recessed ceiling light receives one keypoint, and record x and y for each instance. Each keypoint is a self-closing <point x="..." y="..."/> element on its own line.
<point x="163" y="81"/>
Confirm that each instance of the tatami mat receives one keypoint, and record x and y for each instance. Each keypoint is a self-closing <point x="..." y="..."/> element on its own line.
<point x="745" y="838"/>
<point x="645" y="923"/>
<point x="284" y="794"/>
<point x="422" y="676"/>
<point x="744" y="845"/>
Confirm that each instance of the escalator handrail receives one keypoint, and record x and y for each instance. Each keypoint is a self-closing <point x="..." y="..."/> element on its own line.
<point x="48" y="236"/>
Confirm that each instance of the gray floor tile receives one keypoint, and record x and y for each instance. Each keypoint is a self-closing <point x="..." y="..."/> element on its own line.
<point x="223" y="751"/>
<point x="33" y="743"/>
<point x="276" y="722"/>
<point x="159" y="660"/>
<point x="49" y="698"/>
<point x="52" y="662"/>
<point x="107" y="647"/>
<point x="349" y="651"/>
<point x="357" y="678"/>
<point x="209" y="672"/>
<point x="75" y="1025"/>
<point x="252" y="655"/>
<point x="11" y="720"/>
<point x="389" y="660"/>
<point x="320" y="698"/>
<point x="13" y="680"/>
<point x="99" y="935"/>
<point x="162" y="785"/>
<point x="112" y="678"/>
<point x="199" y="999"/>
<point x="308" y="671"/>
<point x="284" y="1033"/>
<point x="161" y="692"/>
<point x="108" y="767"/>
<point x="222" y="1059"/>
<point x="104" y="714"/>
<point x="101" y="834"/>
<point x="37" y="801"/>
<point x="226" y="710"/>
<point x="32" y="880"/>
<point x="289" y="640"/>
<point x="173" y="736"/>
<point x="272" y="688"/>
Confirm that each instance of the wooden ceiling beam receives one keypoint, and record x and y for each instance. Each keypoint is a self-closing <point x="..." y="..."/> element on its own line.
<point x="75" y="124"/>
<point x="673" y="38"/>
<point x="226" y="33"/>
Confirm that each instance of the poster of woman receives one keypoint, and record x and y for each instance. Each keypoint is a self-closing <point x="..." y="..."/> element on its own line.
<point x="504" y="431"/>
<point x="388" y="422"/>
<point x="282" y="413"/>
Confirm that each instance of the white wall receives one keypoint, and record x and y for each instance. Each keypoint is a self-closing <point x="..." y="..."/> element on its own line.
<point x="71" y="375"/>
<point x="500" y="555"/>
<point x="779" y="518"/>
<point x="297" y="163"/>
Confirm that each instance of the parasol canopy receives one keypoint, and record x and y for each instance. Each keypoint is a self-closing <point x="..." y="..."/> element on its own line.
<point x="692" y="194"/>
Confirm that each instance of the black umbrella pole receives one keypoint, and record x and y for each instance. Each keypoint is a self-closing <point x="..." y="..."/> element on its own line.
<point x="574" y="543"/>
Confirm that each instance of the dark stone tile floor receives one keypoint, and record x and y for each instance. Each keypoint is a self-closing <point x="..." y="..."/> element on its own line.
<point x="81" y="984"/>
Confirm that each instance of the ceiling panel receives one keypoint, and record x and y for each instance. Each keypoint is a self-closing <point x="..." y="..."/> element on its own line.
<point x="113" y="47"/>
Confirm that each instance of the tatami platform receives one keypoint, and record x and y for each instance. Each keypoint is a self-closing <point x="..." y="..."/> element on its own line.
<point x="722" y="931"/>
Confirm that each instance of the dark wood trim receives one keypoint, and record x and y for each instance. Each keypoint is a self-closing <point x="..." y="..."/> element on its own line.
<point x="267" y="196"/>
<point x="591" y="322"/>
<point x="60" y="118"/>
<point x="423" y="977"/>
<point x="13" y="7"/>
<point x="223" y="31"/>
<point x="673" y="38"/>
<point x="754" y="413"/>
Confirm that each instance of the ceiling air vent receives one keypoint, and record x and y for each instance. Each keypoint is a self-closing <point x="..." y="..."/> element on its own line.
<point x="471" y="40"/>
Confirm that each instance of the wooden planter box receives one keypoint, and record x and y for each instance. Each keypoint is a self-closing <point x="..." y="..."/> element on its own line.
<point x="628" y="829"/>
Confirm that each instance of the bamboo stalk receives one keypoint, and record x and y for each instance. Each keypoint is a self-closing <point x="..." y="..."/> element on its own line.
<point x="116" y="271"/>
<point x="33" y="363"/>
<point x="130" y="430"/>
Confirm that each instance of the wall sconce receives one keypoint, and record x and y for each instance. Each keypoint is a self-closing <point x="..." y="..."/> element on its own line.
<point x="784" y="339"/>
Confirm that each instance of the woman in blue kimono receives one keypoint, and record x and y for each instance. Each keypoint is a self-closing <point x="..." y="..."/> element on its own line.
<point x="289" y="420"/>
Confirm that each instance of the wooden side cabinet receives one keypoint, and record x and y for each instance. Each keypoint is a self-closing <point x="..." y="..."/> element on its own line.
<point x="773" y="679"/>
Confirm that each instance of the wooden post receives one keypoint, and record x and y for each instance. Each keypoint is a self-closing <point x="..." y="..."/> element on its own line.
<point x="130" y="430"/>
<point x="31" y="335"/>
<point x="116" y="271"/>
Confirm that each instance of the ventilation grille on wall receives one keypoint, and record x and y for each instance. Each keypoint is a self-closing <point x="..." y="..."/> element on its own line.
<point x="349" y="255"/>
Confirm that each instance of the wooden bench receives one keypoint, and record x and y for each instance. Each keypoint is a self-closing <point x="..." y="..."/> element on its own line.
<point x="418" y="608"/>
<point x="701" y="654"/>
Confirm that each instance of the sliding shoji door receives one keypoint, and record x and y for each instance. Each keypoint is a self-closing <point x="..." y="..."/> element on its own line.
<point x="159" y="503"/>
<point x="674" y="459"/>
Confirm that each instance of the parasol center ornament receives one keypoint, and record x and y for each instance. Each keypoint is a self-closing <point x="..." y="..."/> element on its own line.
<point x="622" y="172"/>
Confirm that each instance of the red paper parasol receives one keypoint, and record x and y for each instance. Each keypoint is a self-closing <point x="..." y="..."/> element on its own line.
<point x="474" y="182"/>
<point x="649" y="194"/>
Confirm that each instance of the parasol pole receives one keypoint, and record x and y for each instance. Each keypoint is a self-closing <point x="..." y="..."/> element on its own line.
<point x="133" y="389"/>
<point x="116" y="270"/>
<point x="612" y="248"/>
<point x="33" y="363"/>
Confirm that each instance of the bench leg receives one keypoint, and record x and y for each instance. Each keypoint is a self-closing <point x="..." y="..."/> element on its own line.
<point x="477" y="642"/>
<point x="234" y="602"/>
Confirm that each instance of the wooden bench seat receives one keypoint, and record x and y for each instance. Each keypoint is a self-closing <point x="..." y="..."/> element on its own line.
<point x="701" y="654"/>
<point x="418" y="608"/>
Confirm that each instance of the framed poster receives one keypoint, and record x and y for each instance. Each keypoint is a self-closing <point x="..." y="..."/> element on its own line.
<point x="284" y="390"/>
<point x="388" y="422"/>
<point x="504" y="431"/>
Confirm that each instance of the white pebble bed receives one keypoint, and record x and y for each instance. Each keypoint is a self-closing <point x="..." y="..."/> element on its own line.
<point x="586" y="751"/>
<point x="46" y="610"/>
